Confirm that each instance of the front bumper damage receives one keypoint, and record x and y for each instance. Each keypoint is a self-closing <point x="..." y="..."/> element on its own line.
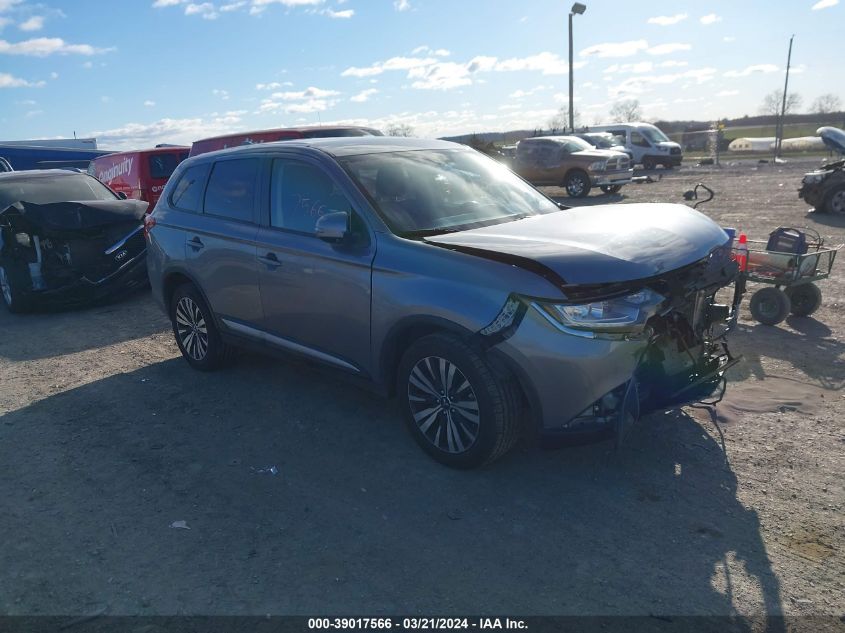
<point x="589" y="385"/>
<point x="67" y="254"/>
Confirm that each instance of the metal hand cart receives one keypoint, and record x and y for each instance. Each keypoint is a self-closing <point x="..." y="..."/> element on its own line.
<point x="790" y="261"/>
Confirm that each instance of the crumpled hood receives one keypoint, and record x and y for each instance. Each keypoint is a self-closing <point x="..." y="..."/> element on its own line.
<point x="595" y="245"/>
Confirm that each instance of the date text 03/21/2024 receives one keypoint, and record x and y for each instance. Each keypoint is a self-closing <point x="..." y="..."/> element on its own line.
<point x="417" y="623"/>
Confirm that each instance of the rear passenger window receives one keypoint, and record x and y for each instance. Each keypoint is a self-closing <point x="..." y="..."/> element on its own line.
<point x="231" y="189"/>
<point x="300" y="194"/>
<point x="187" y="194"/>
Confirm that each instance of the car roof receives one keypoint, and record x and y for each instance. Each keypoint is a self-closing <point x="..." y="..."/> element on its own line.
<point x="345" y="145"/>
<point x="35" y="174"/>
<point x="555" y="139"/>
<point x="303" y="129"/>
<point x="152" y="150"/>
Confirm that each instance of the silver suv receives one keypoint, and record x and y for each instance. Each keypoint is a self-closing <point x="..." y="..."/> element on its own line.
<point x="438" y="275"/>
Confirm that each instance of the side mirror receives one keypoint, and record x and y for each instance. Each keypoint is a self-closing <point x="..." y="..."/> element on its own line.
<point x="333" y="227"/>
<point x="122" y="195"/>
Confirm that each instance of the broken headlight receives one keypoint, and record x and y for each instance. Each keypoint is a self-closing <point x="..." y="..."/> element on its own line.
<point x="626" y="314"/>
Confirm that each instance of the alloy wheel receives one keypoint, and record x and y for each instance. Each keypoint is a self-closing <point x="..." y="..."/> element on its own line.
<point x="443" y="404"/>
<point x="575" y="186"/>
<point x="191" y="328"/>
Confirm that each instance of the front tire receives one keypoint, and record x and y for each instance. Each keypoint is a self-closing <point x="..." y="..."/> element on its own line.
<point x="14" y="297"/>
<point x="577" y="184"/>
<point x="834" y="201"/>
<point x="611" y="188"/>
<point x="770" y="306"/>
<point x="458" y="408"/>
<point x="196" y="333"/>
<point x="649" y="164"/>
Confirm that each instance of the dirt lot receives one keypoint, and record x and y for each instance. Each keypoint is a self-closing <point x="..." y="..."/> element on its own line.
<point x="107" y="438"/>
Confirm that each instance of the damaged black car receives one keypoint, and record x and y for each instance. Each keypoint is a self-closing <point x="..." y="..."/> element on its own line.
<point x="67" y="239"/>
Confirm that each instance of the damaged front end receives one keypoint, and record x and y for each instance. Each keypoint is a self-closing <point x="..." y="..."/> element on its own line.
<point x="632" y="347"/>
<point x="66" y="253"/>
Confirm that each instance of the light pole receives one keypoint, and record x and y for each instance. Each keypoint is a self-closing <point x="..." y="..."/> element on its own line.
<point x="579" y="9"/>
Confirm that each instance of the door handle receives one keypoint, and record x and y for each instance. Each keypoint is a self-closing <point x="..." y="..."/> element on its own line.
<point x="195" y="243"/>
<point x="270" y="260"/>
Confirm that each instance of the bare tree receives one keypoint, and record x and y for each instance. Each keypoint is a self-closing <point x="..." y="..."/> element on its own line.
<point x="826" y="103"/>
<point x="626" y="111"/>
<point x="399" y="129"/>
<point x="559" y="123"/>
<point x="773" y="101"/>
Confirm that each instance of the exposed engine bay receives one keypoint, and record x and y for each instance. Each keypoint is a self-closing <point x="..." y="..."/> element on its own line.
<point x="72" y="252"/>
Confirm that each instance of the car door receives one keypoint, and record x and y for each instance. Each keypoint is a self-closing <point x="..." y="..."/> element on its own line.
<point x="220" y="247"/>
<point x="315" y="294"/>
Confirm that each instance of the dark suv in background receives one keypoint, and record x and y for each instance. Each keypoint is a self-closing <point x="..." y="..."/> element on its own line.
<point x="440" y="276"/>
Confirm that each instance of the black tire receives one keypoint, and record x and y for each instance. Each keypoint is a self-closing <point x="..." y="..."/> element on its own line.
<point x="770" y="306"/>
<point x="834" y="200"/>
<point x="189" y="314"/>
<point x="649" y="164"/>
<point x="13" y="276"/>
<point x="577" y="184"/>
<point x="443" y="358"/>
<point x="611" y="188"/>
<point x="804" y="299"/>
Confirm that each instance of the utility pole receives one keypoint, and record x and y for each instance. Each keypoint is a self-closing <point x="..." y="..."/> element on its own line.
<point x="578" y="8"/>
<point x="779" y="126"/>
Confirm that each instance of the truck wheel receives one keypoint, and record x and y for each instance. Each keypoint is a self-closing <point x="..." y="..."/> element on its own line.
<point x="458" y="409"/>
<point x="577" y="184"/>
<point x="611" y="188"/>
<point x="805" y="299"/>
<point x="834" y="201"/>
<point x="648" y="163"/>
<point x="769" y="306"/>
<point x="11" y="288"/>
<point x="196" y="333"/>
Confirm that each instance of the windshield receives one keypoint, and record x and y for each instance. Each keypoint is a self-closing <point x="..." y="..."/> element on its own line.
<point x="428" y="192"/>
<point x="574" y="144"/>
<point x="602" y="142"/>
<point x="653" y="134"/>
<point x="63" y="188"/>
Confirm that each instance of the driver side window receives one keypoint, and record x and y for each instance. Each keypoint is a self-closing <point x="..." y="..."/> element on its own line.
<point x="639" y="140"/>
<point x="299" y="194"/>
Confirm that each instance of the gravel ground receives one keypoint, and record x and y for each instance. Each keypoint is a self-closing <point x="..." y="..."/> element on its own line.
<point x="107" y="438"/>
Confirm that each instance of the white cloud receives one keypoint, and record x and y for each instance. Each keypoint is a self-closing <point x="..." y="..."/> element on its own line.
<point x="35" y="23"/>
<point x="749" y="70"/>
<point x="88" y="65"/>
<point x="342" y="15"/>
<point x="204" y="9"/>
<point x="166" y="3"/>
<point x="426" y="50"/>
<point x="308" y="93"/>
<point x="364" y="95"/>
<point x="727" y="93"/>
<point x="182" y="131"/>
<point x="44" y="46"/>
<point x="273" y="85"/>
<point x="672" y="63"/>
<point x="394" y="63"/>
<point x="219" y="92"/>
<point x="54" y="75"/>
<point x="402" y="5"/>
<point x="440" y="76"/>
<point x="642" y="83"/>
<point x="233" y="6"/>
<point x="149" y="104"/>
<point x="10" y="81"/>
<point x="259" y="6"/>
<point x="519" y="94"/>
<point x="665" y="49"/>
<point x="615" y="49"/>
<point x="710" y="18"/>
<point x="729" y="38"/>
<point x="4" y="22"/>
<point x="641" y="67"/>
<point x="824" y="4"/>
<point x="668" y="20"/>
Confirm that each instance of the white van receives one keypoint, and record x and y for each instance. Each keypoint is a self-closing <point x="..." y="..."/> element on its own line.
<point x="646" y="143"/>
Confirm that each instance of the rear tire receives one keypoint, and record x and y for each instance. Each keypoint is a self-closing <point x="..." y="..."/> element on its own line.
<point x="458" y="408"/>
<point x="611" y="188"/>
<point x="805" y="299"/>
<point x="11" y="287"/>
<point x="577" y="184"/>
<point x="834" y="201"/>
<point x="196" y="333"/>
<point x="769" y="306"/>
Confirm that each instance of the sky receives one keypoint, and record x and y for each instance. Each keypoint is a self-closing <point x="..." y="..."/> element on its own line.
<point x="133" y="73"/>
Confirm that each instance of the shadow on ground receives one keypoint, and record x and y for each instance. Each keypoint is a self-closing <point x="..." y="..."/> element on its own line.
<point x="357" y="519"/>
